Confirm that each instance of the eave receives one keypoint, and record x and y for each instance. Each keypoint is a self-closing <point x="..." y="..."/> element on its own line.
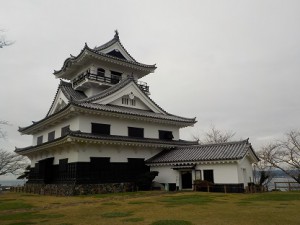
<point x="87" y="138"/>
<point x="87" y="53"/>
<point x="187" y="163"/>
<point x="73" y="109"/>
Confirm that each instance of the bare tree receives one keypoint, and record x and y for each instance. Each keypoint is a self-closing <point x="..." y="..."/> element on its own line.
<point x="214" y="135"/>
<point x="2" y="132"/>
<point x="3" y="41"/>
<point x="10" y="162"/>
<point x="284" y="154"/>
<point x="263" y="173"/>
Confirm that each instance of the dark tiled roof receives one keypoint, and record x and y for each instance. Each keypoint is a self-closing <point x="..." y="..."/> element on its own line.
<point x="209" y="152"/>
<point x="108" y="91"/>
<point x="108" y="138"/>
<point x="78" y="98"/>
<point x="97" y="50"/>
<point x="132" y="139"/>
<point x="110" y="43"/>
<point x="69" y="92"/>
<point x="134" y="112"/>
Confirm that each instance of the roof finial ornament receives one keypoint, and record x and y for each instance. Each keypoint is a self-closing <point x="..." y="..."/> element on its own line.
<point x="116" y="35"/>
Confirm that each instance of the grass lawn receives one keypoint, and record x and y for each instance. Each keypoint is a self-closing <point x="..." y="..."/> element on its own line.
<point x="152" y="208"/>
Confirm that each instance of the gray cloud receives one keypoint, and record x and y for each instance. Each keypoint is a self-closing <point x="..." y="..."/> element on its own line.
<point x="232" y="63"/>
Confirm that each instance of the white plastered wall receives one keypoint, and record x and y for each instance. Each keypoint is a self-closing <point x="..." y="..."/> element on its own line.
<point x="245" y="171"/>
<point x="120" y="126"/>
<point x="74" y="125"/>
<point x="82" y="152"/>
<point x="166" y="175"/>
<point x="225" y="173"/>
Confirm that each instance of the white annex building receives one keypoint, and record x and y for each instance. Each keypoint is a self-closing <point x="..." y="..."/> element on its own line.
<point x="102" y="127"/>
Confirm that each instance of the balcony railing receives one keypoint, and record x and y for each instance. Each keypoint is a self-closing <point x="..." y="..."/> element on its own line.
<point x="95" y="77"/>
<point x="106" y="80"/>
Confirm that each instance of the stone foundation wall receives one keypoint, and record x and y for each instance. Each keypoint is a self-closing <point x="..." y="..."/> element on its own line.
<point x="74" y="189"/>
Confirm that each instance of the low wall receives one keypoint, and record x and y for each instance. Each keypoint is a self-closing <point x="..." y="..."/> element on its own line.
<point x="74" y="189"/>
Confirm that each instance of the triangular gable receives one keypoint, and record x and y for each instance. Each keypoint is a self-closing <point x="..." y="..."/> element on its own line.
<point x="136" y="99"/>
<point x="117" y="50"/>
<point x="251" y="155"/>
<point x="59" y="102"/>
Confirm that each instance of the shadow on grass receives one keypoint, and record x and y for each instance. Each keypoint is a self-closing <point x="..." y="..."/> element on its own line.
<point x="138" y="202"/>
<point x="9" y="204"/>
<point x="22" y="223"/>
<point x="110" y="203"/>
<point x="171" y="222"/>
<point x="116" y="214"/>
<point x="137" y="219"/>
<point x="29" y="216"/>
<point x="188" y="199"/>
<point x="284" y="196"/>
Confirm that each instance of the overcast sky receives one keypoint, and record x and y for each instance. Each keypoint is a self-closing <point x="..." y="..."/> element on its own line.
<point x="234" y="64"/>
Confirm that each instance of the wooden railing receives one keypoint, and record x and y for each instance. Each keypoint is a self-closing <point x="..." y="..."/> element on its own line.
<point x="289" y="186"/>
<point x="107" y="80"/>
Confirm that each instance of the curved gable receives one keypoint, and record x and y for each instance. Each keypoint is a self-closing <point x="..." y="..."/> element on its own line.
<point x="134" y="94"/>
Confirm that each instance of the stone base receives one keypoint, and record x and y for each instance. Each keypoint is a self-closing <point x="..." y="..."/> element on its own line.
<point x="74" y="189"/>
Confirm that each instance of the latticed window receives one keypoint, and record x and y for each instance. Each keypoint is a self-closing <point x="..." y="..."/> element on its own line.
<point x="51" y="136"/>
<point x="39" y="140"/>
<point x="100" y="72"/>
<point x="65" y="130"/>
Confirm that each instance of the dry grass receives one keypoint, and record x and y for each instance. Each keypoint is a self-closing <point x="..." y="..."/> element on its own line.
<point x="152" y="208"/>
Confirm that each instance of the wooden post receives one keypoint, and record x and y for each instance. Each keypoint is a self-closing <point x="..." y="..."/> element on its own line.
<point x="225" y="190"/>
<point x="289" y="186"/>
<point x="207" y="188"/>
<point x="275" y="185"/>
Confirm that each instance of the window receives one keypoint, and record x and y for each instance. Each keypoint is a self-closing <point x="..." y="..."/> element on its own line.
<point x="100" y="72"/>
<point x="99" y="128"/>
<point x="63" y="165"/>
<point x="39" y="140"/>
<point x="135" y="132"/>
<point x="165" y="135"/>
<point x="65" y="130"/>
<point x="208" y="175"/>
<point x="115" y="77"/>
<point x="132" y="102"/>
<point x="125" y="101"/>
<point x="51" y="136"/>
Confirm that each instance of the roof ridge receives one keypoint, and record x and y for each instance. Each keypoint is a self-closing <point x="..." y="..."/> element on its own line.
<point x="57" y="90"/>
<point x="68" y="61"/>
<point x="226" y="143"/>
<point x="115" y="39"/>
<point x="106" y="92"/>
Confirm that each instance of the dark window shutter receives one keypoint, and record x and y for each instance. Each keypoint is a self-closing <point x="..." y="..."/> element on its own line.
<point x="98" y="128"/>
<point x="208" y="175"/>
<point x="135" y="132"/>
<point x="165" y="135"/>
<point x="65" y="130"/>
<point x="51" y="136"/>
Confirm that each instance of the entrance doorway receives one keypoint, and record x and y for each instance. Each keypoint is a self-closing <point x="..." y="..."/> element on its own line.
<point x="186" y="179"/>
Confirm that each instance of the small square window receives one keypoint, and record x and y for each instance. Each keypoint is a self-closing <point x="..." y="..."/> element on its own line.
<point x="99" y="128"/>
<point x="165" y="135"/>
<point x="135" y="132"/>
<point x="40" y="140"/>
<point x="51" y="136"/>
<point x="65" y="130"/>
